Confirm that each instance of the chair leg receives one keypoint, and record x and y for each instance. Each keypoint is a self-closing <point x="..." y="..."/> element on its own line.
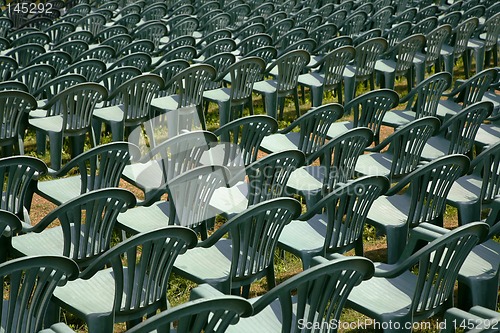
<point x="96" y="127"/>
<point x="420" y="72"/>
<point x="483" y="292"/>
<point x="296" y="101"/>
<point x="77" y="145"/>
<point x="40" y="142"/>
<point x="316" y="96"/>
<point x="271" y="104"/>
<point x="101" y="323"/>
<point x="448" y="64"/>
<point x="480" y="55"/>
<point x="349" y="88"/>
<point x="56" y="145"/>
<point x="224" y="112"/>
<point x="271" y="279"/>
<point x="468" y="213"/>
<point x="396" y="242"/>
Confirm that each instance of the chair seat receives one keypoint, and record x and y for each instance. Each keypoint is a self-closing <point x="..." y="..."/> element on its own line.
<point x="48" y="242"/>
<point x="58" y="328"/>
<point x="48" y="124"/>
<point x="142" y="219"/>
<point x="349" y="71"/>
<point x="88" y="297"/>
<point x="39" y="113"/>
<point x="483" y="261"/>
<point x="488" y="134"/>
<point x="210" y="265"/>
<point x="306" y="179"/>
<point x="268" y="320"/>
<point x="230" y="201"/>
<point x="384" y="297"/>
<point x="389" y="211"/>
<point x="265" y="87"/>
<point x="60" y="190"/>
<point x="385" y="66"/>
<point x="280" y="142"/>
<point x="396" y="118"/>
<point x="313" y="79"/>
<point x="304" y="236"/>
<point x="217" y="95"/>
<point x="447" y="108"/>
<point x="147" y="176"/>
<point x="375" y="164"/>
<point x="339" y="128"/>
<point x="435" y="147"/>
<point x="164" y="104"/>
<point x="465" y="189"/>
<point x="110" y="113"/>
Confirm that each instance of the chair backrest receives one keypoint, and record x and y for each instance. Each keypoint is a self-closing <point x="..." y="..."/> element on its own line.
<point x="118" y="42"/>
<point x="406" y="51"/>
<point x="424" y="98"/>
<point x="429" y="187"/>
<point x="473" y="89"/>
<point x="367" y="53"/>
<point x="381" y="18"/>
<point x="397" y="33"/>
<point x="346" y="208"/>
<point x="319" y="292"/>
<point x="14" y="106"/>
<point x="267" y="177"/>
<point x="185" y="27"/>
<point x="153" y="31"/>
<point x="138" y="46"/>
<point x="33" y="37"/>
<point x="28" y="284"/>
<point x="24" y="54"/>
<point x="463" y="32"/>
<point x="59" y="30"/>
<point x="60" y="60"/>
<point x="425" y="26"/>
<point x="244" y="74"/>
<point x="16" y="175"/>
<point x="334" y="64"/>
<point x="242" y="138"/>
<point x="314" y="126"/>
<point x="141" y="280"/>
<point x="492" y="29"/>
<point x="186" y="52"/>
<point x="92" y="69"/>
<point x="323" y="33"/>
<point x="8" y="65"/>
<point x="438" y="265"/>
<point x="190" y="193"/>
<point x="407" y="144"/>
<point x="461" y="129"/>
<point x="452" y="18"/>
<point x="354" y="24"/>
<point x="434" y="42"/>
<point x="73" y="47"/>
<point x="141" y="60"/>
<point x="487" y="166"/>
<point x="114" y="78"/>
<point x="367" y="35"/>
<point x="338" y="157"/>
<point x="93" y="23"/>
<point x="221" y="62"/>
<point x="167" y="71"/>
<point x="87" y="222"/>
<point x="35" y="76"/>
<point x="253" y="42"/>
<point x="191" y="84"/>
<point x="201" y="315"/>
<point x="102" y="166"/>
<point x="370" y="108"/>
<point x="101" y="52"/>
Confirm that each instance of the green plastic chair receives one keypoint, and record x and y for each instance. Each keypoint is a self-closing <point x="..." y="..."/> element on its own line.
<point x="476" y="191"/>
<point x="253" y="42"/>
<point x="130" y="20"/>
<point x="262" y="180"/>
<point x="60" y="60"/>
<point x="92" y="22"/>
<point x="354" y="24"/>
<point x="329" y="76"/>
<point x="91" y="69"/>
<point x="24" y="54"/>
<point x="114" y="78"/>
<point x="476" y="320"/>
<point x="101" y="52"/>
<point x="221" y="62"/>
<point x="399" y="295"/>
<point x="168" y="160"/>
<point x="109" y="32"/>
<point x="421" y="101"/>
<point x="313" y="297"/>
<point x="312" y="134"/>
<point x="367" y="35"/>
<point x="243" y="74"/>
<point x="73" y="47"/>
<point x="456" y="135"/>
<point x="59" y="30"/>
<point x="278" y="29"/>
<point x="69" y="114"/>
<point x="167" y="71"/>
<point x="404" y="149"/>
<point x="324" y="33"/>
<point x="153" y="31"/>
<point x="28" y="284"/>
<point x="401" y="62"/>
<point x="154" y="12"/>
<point x="99" y="167"/>
<point x="186" y="52"/>
<point x="290" y="37"/>
<point x="187" y="102"/>
<point x="367" y="53"/>
<point x="118" y="42"/>
<point x="8" y="66"/>
<point x="189" y="195"/>
<point x="33" y="37"/>
<point x="126" y="290"/>
<point x="14" y="108"/>
<point x="466" y="93"/>
<point x="85" y="230"/>
<point x="335" y="223"/>
<point x="397" y="33"/>
<point x="137" y="46"/>
<point x="381" y="18"/>
<point x="141" y="60"/>
<point x="290" y="66"/>
<point x="13" y="85"/>
<point x="458" y="46"/>
<point x="424" y="26"/>
<point x="81" y="35"/>
<point x="250" y="30"/>
<point x="486" y="45"/>
<point x="247" y="255"/>
<point x="368" y="110"/>
<point x="175" y="43"/>
<point x="52" y="88"/>
<point x="17" y="174"/>
<point x="9" y="226"/>
<point x="434" y="42"/>
<point x="184" y="27"/>
<point x="337" y="160"/>
<point x="423" y="201"/>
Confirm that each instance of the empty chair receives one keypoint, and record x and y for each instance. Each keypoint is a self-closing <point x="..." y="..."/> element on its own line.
<point x="24" y="54"/>
<point x="243" y="74"/>
<point x="69" y="114"/>
<point x="337" y="159"/>
<point x="73" y="47"/>
<point x="137" y="46"/>
<point x="91" y="69"/>
<point x="398" y="295"/>
<point x="354" y="24"/>
<point x="488" y="44"/>
<point x="367" y="53"/>
<point x="299" y="299"/>
<point x="421" y="101"/>
<point x="102" y="52"/>
<point x="456" y="135"/>
<point x="458" y="46"/>
<point x="35" y="76"/>
<point x="329" y="76"/>
<point x="85" y="230"/>
<point x="335" y="224"/>
<point x="290" y="66"/>
<point x="92" y="22"/>
<point x="247" y="255"/>
<point x="424" y="201"/>
<point x="404" y="149"/>
<point x="60" y="60"/>
<point x="140" y="60"/>
<point x="402" y="63"/>
<point x="425" y="26"/>
<point x="368" y="111"/>
<point x="312" y="133"/>
<point x="397" y="33"/>
<point x="125" y="291"/>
